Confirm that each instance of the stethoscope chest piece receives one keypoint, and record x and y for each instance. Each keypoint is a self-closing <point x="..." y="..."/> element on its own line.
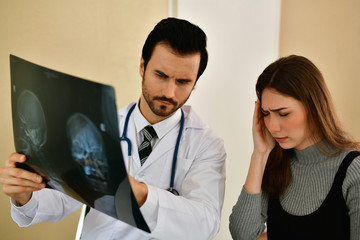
<point x="173" y="191"/>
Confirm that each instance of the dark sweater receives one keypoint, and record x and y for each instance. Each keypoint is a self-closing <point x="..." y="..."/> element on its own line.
<point x="312" y="176"/>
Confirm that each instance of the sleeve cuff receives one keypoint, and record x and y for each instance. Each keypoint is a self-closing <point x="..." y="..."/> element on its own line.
<point x="150" y="208"/>
<point x="29" y="209"/>
<point x="243" y="191"/>
<point x="24" y="215"/>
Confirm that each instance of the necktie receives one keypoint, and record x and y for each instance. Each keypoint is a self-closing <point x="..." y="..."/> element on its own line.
<point x="145" y="146"/>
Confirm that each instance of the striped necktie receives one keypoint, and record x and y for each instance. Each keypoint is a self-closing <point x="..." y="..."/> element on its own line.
<point x="145" y="146"/>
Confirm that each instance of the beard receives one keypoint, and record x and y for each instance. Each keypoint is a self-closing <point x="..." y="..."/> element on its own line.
<point x="162" y="110"/>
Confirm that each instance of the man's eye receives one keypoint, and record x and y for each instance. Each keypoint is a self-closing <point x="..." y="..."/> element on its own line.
<point x="161" y="76"/>
<point x="183" y="82"/>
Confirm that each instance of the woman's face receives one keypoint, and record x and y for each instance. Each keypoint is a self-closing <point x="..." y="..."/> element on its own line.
<point x="285" y="118"/>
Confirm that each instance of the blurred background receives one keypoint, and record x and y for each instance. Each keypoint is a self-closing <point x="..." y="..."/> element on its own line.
<point x="102" y="41"/>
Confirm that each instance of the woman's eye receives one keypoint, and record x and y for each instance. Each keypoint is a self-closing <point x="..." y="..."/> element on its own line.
<point x="283" y="114"/>
<point x="265" y="114"/>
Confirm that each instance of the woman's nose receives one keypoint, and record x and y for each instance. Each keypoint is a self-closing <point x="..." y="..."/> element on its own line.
<point x="273" y="124"/>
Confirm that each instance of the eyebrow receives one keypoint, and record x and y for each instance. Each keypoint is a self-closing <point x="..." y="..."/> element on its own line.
<point x="166" y="76"/>
<point x="274" y="110"/>
<point x="161" y="73"/>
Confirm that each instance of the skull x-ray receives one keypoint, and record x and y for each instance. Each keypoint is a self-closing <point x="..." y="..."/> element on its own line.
<point x="88" y="150"/>
<point x="68" y="129"/>
<point x="33" y="122"/>
<point x="33" y="135"/>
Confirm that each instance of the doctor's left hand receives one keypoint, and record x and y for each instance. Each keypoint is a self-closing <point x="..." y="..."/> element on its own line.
<point x="18" y="183"/>
<point x="139" y="189"/>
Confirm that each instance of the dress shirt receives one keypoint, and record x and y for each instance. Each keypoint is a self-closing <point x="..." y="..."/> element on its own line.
<point x="161" y="128"/>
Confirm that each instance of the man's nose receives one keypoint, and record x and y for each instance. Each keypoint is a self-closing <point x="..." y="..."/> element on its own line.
<point x="169" y="88"/>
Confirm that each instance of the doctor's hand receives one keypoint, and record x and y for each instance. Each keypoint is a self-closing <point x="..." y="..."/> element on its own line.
<point x="139" y="189"/>
<point x="19" y="183"/>
<point x="263" y="141"/>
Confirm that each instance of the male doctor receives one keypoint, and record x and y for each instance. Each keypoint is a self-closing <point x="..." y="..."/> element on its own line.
<point x="173" y="58"/>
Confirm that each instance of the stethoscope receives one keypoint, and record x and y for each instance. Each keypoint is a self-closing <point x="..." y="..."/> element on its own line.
<point x="127" y="140"/>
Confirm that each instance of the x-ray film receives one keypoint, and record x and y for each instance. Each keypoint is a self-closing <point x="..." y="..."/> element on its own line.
<point x="68" y="129"/>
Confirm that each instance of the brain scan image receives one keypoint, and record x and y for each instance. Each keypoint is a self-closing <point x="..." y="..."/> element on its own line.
<point x="87" y="149"/>
<point x="33" y="123"/>
<point x="33" y="134"/>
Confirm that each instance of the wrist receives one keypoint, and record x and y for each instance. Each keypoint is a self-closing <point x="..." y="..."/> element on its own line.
<point x="260" y="157"/>
<point x="140" y="190"/>
<point x="253" y="180"/>
<point x="21" y="201"/>
<point x="141" y="193"/>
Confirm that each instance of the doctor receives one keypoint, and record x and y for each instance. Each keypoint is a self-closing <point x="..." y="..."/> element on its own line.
<point x="173" y="58"/>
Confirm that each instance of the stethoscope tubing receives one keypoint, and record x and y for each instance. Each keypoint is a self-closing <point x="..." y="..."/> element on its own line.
<point x="171" y="189"/>
<point x="173" y="168"/>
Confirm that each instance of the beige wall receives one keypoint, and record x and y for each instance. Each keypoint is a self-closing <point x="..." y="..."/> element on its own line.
<point x="97" y="40"/>
<point x="101" y="40"/>
<point x="242" y="40"/>
<point x="328" y="33"/>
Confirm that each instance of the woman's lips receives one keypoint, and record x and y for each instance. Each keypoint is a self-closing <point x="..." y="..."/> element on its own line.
<point x="280" y="139"/>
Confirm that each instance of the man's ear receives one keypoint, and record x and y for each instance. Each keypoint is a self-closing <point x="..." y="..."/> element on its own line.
<point x="142" y="67"/>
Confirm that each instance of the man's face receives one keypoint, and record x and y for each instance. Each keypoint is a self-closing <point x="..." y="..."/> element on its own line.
<point x="167" y="82"/>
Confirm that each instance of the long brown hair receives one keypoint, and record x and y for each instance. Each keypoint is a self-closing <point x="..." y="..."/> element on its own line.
<point x="298" y="77"/>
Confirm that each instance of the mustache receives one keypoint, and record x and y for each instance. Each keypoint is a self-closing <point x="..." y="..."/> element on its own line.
<point x="165" y="99"/>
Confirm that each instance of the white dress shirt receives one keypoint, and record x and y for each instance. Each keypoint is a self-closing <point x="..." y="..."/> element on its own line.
<point x="199" y="179"/>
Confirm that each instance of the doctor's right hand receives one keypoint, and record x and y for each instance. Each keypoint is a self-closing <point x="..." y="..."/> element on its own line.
<point x="19" y="183"/>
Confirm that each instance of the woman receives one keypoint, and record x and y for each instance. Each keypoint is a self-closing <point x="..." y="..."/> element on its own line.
<point x="299" y="148"/>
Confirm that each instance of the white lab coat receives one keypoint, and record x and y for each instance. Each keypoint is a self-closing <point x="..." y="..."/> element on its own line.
<point x="200" y="180"/>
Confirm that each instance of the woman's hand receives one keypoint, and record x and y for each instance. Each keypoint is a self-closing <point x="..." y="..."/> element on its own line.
<point x="263" y="141"/>
<point x="263" y="144"/>
<point x="19" y="183"/>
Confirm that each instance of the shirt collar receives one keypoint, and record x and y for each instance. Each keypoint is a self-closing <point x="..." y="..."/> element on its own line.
<point x="161" y="127"/>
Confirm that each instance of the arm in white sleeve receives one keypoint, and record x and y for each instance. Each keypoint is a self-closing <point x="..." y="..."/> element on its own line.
<point x="45" y="205"/>
<point x="151" y="207"/>
<point x="196" y="213"/>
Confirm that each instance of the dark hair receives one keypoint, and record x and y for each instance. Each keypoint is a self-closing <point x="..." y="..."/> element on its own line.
<point x="298" y="77"/>
<point x="183" y="36"/>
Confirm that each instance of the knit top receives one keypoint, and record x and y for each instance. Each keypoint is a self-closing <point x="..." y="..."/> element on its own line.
<point x="312" y="176"/>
